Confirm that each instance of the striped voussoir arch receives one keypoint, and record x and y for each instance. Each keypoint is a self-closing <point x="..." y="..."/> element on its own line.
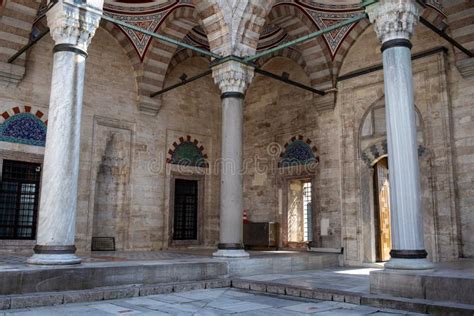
<point x="40" y="114"/>
<point x="213" y="23"/>
<point x="251" y="25"/>
<point x="289" y="53"/>
<point x="318" y="62"/>
<point x="460" y="18"/>
<point x="16" y="21"/>
<point x="181" y="56"/>
<point x="347" y="43"/>
<point x="152" y="72"/>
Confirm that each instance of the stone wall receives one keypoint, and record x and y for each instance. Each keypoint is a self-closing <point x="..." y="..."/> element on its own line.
<point x="274" y="113"/>
<point x="124" y="183"/>
<point x="435" y="101"/>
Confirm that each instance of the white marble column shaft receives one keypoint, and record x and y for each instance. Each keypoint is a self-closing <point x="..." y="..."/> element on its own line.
<point x="394" y="23"/>
<point x="72" y="29"/>
<point x="233" y="78"/>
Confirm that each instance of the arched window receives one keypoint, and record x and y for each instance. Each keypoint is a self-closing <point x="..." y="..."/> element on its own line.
<point x="298" y="152"/>
<point x="23" y="128"/>
<point x="187" y="153"/>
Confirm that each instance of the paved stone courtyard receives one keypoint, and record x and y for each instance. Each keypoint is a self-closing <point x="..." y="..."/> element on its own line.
<point x="208" y="302"/>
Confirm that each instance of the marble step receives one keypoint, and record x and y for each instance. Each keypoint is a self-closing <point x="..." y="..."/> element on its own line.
<point x="104" y="293"/>
<point x="37" y="279"/>
<point x="374" y="300"/>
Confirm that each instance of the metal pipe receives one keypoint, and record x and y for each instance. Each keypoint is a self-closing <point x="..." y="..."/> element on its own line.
<point x="207" y="72"/>
<point x="307" y="37"/>
<point x="27" y="46"/>
<point x="161" y="37"/>
<point x="288" y="81"/>
<point x="446" y="37"/>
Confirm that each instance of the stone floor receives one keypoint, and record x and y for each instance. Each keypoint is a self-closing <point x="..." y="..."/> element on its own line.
<point x="209" y="302"/>
<point x="343" y="279"/>
<point x="130" y="256"/>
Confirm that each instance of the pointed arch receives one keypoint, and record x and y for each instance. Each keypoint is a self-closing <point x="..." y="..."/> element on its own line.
<point x="187" y="152"/>
<point x="214" y="24"/>
<point x="298" y="151"/>
<point x="294" y="20"/>
<point x="23" y="125"/>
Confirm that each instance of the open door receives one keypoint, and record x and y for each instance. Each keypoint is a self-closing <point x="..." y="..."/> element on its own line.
<point x="300" y="213"/>
<point x="382" y="208"/>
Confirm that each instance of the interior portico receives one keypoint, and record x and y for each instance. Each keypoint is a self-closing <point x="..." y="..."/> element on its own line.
<point x="346" y="127"/>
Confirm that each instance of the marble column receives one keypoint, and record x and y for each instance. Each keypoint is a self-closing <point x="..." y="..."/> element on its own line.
<point x="394" y="22"/>
<point x="72" y="26"/>
<point x="233" y="79"/>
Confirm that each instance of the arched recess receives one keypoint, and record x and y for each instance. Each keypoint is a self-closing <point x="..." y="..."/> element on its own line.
<point x="372" y="146"/>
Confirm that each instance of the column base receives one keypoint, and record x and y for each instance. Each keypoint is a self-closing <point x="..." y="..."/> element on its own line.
<point x="409" y="264"/>
<point x="54" y="259"/>
<point x="231" y="253"/>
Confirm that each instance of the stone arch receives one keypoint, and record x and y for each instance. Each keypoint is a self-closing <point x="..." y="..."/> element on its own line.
<point x="296" y="23"/>
<point x="460" y="15"/>
<point x="152" y="71"/>
<point x="347" y="43"/>
<point x="289" y="53"/>
<point x="372" y="134"/>
<point x="181" y="56"/>
<point x="298" y="151"/>
<point x="248" y="32"/>
<point x="188" y="152"/>
<point x="23" y="125"/>
<point x="214" y="24"/>
<point x="17" y="19"/>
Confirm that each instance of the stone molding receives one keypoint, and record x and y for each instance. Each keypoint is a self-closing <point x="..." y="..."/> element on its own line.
<point x="11" y="74"/>
<point x="466" y="67"/>
<point x="150" y="106"/>
<point x="74" y="24"/>
<point x="232" y="76"/>
<point x="394" y="19"/>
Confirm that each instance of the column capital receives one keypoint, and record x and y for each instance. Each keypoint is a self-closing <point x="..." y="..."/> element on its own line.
<point x="232" y="76"/>
<point x="394" y="19"/>
<point x="74" y="22"/>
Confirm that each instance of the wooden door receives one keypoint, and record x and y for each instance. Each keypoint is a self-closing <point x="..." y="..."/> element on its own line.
<point x="382" y="196"/>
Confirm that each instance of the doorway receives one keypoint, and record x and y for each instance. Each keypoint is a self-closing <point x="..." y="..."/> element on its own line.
<point x="300" y="213"/>
<point x="185" y="217"/>
<point x="383" y="237"/>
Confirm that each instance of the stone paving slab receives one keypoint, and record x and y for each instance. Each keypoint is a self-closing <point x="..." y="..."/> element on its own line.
<point x="208" y="302"/>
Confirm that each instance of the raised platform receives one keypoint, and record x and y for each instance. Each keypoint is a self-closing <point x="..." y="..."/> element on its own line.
<point x="349" y="285"/>
<point x="449" y="282"/>
<point x="142" y="268"/>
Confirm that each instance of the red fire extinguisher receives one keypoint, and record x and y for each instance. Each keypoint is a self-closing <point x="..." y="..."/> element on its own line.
<point x="245" y="217"/>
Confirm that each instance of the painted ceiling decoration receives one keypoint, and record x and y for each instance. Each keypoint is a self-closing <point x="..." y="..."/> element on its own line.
<point x="149" y="14"/>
